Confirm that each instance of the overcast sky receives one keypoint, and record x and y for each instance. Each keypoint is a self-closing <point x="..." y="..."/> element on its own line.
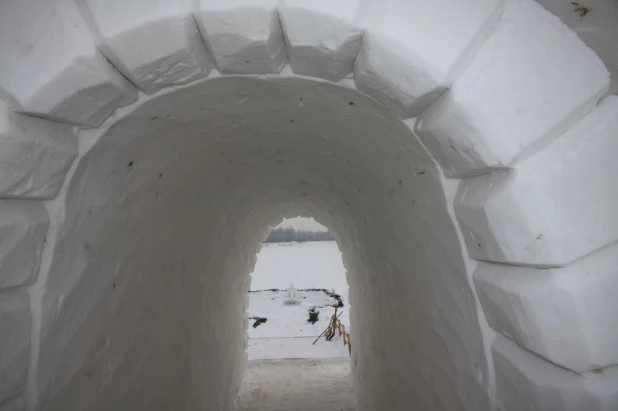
<point x="302" y="223"/>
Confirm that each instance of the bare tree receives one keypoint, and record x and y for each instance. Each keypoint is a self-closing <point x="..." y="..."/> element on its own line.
<point x="286" y="235"/>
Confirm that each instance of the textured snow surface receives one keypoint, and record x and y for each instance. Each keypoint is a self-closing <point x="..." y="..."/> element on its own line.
<point x="485" y="122"/>
<point x="297" y="385"/>
<point x="141" y="300"/>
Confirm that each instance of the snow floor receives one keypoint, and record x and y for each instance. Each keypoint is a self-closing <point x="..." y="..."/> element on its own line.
<point x="287" y="333"/>
<point x="297" y="385"/>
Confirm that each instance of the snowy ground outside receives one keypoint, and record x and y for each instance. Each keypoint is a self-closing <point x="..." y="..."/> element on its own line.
<point x="287" y="333"/>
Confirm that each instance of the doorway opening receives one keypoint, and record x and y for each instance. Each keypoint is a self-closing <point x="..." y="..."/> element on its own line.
<point x="299" y="323"/>
<point x="298" y="301"/>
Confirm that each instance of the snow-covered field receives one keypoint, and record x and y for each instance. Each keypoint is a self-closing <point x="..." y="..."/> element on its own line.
<point x="307" y="265"/>
<point x="287" y="333"/>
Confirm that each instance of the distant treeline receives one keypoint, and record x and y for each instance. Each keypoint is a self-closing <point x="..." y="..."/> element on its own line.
<point x="286" y="235"/>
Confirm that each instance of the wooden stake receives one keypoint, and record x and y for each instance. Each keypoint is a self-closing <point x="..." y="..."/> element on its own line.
<point x="320" y="336"/>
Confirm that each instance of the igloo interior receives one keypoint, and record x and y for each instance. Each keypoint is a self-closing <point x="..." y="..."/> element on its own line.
<point x="145" y="158"/>
<point x="248" y="151"/>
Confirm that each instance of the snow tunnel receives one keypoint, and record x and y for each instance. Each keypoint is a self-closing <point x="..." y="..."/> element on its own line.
<point x="463" y="155"/>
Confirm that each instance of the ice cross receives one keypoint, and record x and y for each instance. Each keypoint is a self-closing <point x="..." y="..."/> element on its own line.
<point x="292" y="292"/>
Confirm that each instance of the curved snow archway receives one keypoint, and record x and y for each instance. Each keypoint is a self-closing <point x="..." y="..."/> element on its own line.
<point x="166" y="211"/>
<point x="126" y="288"/>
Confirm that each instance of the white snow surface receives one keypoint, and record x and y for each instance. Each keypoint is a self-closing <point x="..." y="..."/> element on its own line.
<point x="297" y="385"/>
<point x="306" y="265"/>
<point x="287" y="333"/>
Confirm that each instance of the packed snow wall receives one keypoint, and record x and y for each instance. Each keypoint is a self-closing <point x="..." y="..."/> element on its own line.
<point x="165" y="214"/>
<point x="146" y="156"/>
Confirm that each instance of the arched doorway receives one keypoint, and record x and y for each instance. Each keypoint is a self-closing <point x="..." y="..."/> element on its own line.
<point x="139" y="297"/>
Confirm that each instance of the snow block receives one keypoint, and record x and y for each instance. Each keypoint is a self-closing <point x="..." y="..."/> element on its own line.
<point x="15" y="320"/>
<point x="530" y="81"/>
<point x="23" y="225"/>
<point x="322" y="37"/>
<point x="35" y="154"/>
<point x="413" y="50"/>
<point x="525" y="382"/>
<point x="555" y="206"/>
<point x="50" y="66"/>
<point x="14" y="404"/>
<point x="153" y="43"/>
<point x="244" y="36"/>
<point x="566" y="315"/>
